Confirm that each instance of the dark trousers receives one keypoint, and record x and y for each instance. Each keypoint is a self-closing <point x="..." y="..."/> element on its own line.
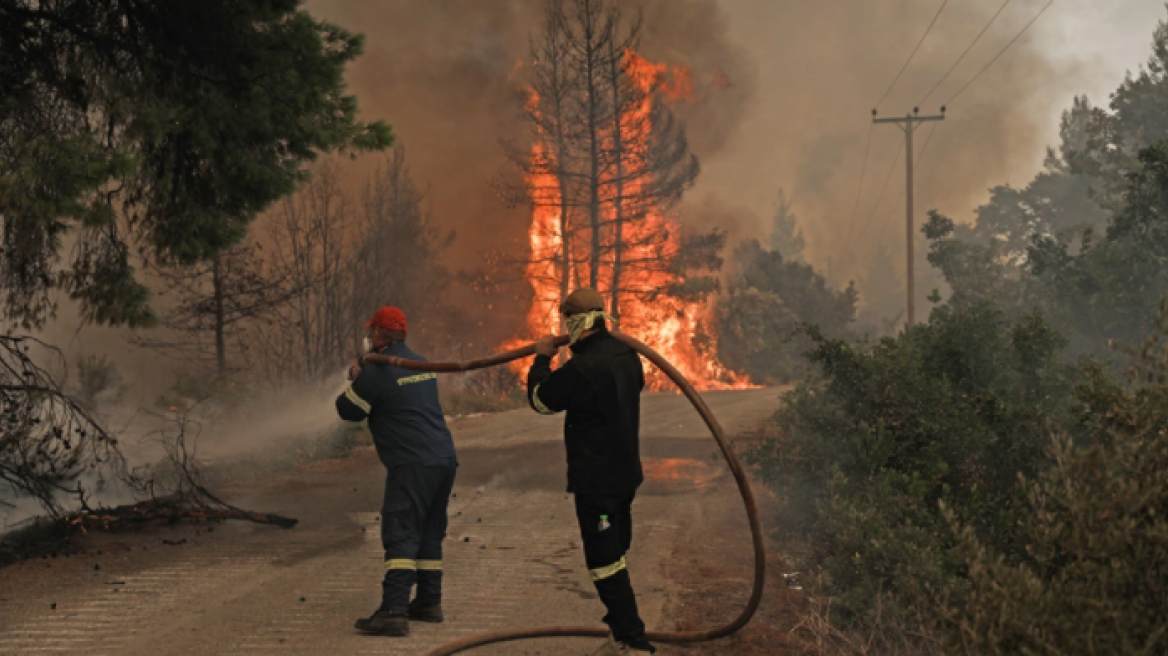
<point x="606" y="526"/>
<point x="413" y="525"/>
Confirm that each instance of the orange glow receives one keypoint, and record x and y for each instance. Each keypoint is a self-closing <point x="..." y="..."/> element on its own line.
<point x="650" y="242"/>
<point x="678" y="471"/>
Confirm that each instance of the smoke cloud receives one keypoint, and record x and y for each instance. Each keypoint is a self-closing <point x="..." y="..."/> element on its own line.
<point x="784" y="94"/>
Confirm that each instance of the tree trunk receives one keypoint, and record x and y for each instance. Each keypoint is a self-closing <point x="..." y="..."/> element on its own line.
<point x="220" y="319"/>
<point x="618" y="154"/>
<point x="593" y="101"/>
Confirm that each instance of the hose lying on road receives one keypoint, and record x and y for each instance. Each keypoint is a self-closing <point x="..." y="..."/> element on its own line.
<point x="735" y="468"/>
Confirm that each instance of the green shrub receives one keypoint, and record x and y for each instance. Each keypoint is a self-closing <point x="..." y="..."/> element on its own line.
<point x="769" y="296"/>
<point x="1093" y="576"/>
<point x="954" y="410"/>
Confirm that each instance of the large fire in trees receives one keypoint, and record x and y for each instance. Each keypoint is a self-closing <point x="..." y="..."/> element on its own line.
<point x="647" y="245"/>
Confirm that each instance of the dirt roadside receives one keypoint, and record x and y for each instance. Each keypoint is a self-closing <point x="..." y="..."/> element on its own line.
<point x="513" y="556"/>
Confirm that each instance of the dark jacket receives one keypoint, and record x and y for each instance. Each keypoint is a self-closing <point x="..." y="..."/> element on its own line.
<point x="600" y="387"/>
<point x="404" y="414"/>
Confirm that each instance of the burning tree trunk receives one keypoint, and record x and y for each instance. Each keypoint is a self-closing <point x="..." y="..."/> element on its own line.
<point x="608" y="138"/>
<point x="616" y="80"/>
<point x="551" y="185"/>
<point x="590" y="31"/>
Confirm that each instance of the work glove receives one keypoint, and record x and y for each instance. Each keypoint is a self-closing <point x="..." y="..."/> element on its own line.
<point x="546" y="345"/>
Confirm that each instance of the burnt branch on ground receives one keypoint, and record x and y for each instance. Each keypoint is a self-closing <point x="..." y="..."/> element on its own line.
<point x="55" y="450"/>
<point x="48" y="440"/>
<point x="174" y="485"/>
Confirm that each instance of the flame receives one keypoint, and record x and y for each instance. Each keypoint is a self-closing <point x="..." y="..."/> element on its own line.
<point x="671" y="326"/>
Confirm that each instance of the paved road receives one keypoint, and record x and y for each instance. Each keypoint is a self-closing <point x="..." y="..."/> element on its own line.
<point x="513" y="555"/>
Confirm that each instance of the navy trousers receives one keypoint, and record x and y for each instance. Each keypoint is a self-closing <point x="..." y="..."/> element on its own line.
<point x="606" y="527"/>
<point x="413" y="525"/>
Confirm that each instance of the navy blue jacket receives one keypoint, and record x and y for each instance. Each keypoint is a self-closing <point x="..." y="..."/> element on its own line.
<point x="404" y="414"/>
<point x="600" y="387"/>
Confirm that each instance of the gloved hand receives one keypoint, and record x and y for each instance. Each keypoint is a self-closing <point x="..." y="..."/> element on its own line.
<point x="546" y="345"/>
<point x="354" y="370"/>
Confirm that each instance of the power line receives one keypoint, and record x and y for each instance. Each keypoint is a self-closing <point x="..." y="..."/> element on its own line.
<point x="963" y="55"/>
<point x="884" y="227"/>
<point x="1002" y="52"/>
<point x="914" y="54"/>
<point x="891" y="170"/>
<point x="860" y="189"/>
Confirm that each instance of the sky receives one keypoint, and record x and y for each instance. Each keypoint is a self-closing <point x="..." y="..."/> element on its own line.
<point x="807" y="130"/>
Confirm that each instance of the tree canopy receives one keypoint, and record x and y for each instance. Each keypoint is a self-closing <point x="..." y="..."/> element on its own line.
<point x="163" y="127"/>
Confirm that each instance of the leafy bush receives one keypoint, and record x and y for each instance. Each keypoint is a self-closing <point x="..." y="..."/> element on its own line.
<point x="1093" y="575"/>
<point x="953" y="410"/>
<point x="759" y="317"/>
<point x="958" y="484"/>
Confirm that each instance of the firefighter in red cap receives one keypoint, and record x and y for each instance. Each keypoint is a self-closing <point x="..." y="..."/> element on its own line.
<point x="600" y="388"/>
<point x="416" y="447"/>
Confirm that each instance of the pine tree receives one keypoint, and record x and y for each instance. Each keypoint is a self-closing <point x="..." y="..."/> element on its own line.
<point x="786" y="236"/>
<point x="159" y="128"/>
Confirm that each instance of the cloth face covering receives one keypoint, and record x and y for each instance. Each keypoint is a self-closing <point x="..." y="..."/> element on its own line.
<point x="579" y="323"/>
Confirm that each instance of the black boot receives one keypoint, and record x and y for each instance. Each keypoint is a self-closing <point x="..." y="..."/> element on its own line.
<point x="391" y="622"/>
<point x="421" y="612"/>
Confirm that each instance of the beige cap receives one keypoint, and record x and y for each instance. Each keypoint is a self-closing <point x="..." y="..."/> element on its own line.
<point x="582" y="300"/>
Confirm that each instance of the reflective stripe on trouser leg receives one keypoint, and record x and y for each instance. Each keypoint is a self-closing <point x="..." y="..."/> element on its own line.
<point x="401" y="563"/>
<point x="604" y="553"/>
<point x="429" y="565"/>
<point x="601" y="573"/>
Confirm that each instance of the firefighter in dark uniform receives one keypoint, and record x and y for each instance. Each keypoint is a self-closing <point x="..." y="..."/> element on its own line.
<point x="600" y="388"/>
<point x="415" y="446"/>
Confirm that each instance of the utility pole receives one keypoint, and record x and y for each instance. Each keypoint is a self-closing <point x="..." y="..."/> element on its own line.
<point x="909" y="125"/>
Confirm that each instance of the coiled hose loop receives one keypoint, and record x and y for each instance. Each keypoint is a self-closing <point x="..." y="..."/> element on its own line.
<point x="719" y="435"/>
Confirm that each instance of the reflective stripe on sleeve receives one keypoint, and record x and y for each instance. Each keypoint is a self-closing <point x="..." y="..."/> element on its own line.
<point x="401" y="563"/>
<point x="351" y="394"/>
<point x="601" y="573"/>
<point x="429" y="565"/>
<point x="539" y="406"/>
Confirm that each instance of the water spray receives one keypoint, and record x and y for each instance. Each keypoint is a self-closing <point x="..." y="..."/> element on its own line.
<point x="669" y="637"/>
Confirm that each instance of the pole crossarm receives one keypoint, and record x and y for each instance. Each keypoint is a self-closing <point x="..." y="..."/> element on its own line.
<point x="909" y="122"/>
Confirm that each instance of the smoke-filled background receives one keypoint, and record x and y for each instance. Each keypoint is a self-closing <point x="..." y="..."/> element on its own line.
<point x="784" y="91"/>
<point x="800" y="79"/>
<point x="784" y="94"/>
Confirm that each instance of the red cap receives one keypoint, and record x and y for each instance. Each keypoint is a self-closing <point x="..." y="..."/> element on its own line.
<point x="389" y="318"/>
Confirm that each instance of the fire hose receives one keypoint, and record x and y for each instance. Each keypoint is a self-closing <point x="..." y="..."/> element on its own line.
<point x="735" y="468"/>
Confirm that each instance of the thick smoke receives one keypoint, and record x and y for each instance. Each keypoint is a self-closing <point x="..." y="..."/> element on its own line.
<point x="822" y="66"/>
<point x="447" y="76"/>
<point x="784" y="94"/>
